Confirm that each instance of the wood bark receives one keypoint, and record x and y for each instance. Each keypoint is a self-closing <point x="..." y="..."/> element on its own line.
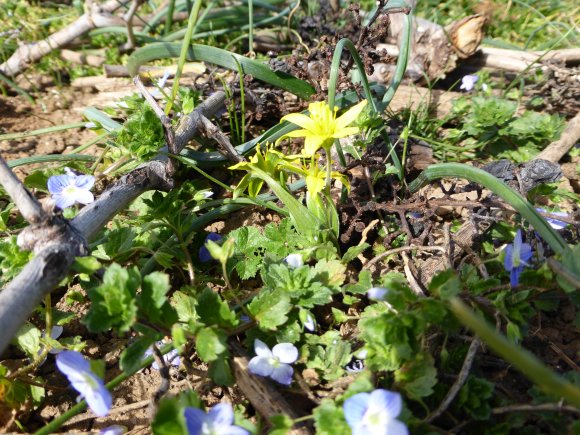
<point x="58" y="243"/>
<point x="26" y="54"/>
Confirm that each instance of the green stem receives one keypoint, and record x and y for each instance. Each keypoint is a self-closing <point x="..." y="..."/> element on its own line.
<point x="169" y="17"/>
<point x="251" y="27"/>
<point x="524" y="360"/>
<point x="401" y="62"/>
<point x="55" y="424"/>
<point x="183" y="55"/>
<point x="517" y="201"/>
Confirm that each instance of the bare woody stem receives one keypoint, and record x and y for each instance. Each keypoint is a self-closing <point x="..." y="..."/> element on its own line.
<point x="28" y="205"/>
<point x="58" y="243"/>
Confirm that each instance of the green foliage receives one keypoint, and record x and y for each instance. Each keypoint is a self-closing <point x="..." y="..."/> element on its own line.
<point x="278" y="240"/>
<point x="474" y="398"/>
<point x="329" y="419"/>
<point x="141" y="135"/>
<point x="12" y="259"/>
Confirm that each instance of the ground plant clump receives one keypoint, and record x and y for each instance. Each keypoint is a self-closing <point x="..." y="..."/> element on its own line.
<point x="272" y="217"/>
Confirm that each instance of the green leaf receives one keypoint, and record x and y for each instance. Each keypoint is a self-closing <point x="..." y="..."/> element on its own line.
<point x="223" y="58"/>
<point x="280" y="424"/>
<point x="212" y="310"/>
<point x="353" y="252"/>
<point x="169" y="419"/>
<point x="474" y="396"/>
<point x="28" y="339"/>
<point x="220" y="372"/>
<point x="113" y="302"/>
<point x="184" y="305"/>
<point x="329" y="419"/>
<point x="153" y="301"/>
<point x="210" y="344"/>
<point x="445" y="284"/>
<point x="270" y="309"/>
<point x="88" y="265"/>
<point x="132" y="357"/>
<point x="418" y="377"/>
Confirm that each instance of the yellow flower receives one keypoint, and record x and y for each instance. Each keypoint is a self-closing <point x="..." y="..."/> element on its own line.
<point x="322" y="126"/>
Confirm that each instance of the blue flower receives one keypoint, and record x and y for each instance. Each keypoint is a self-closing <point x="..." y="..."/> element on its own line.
<point x="468" y="82"/>
<point x="218" y="421"/>
<point x="113" y="430"/>
<point x="171" y="357"/>
<point x="555" y="223"/>
<point x="70" y="188"/>
<point x="309" y="323"/>
<point x="274" y="363"/>
<point x="375" y="413"/>
<point x="294" y="260"/>
<point x="377" y="293"/>
<point x="516" y="257"/>
<point x="90" y="386"/>
<point x="204" y="255"/>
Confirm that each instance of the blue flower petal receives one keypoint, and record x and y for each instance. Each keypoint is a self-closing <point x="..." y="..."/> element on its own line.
<point x="98" y="397"/>
<point x="204" y="255"/>
<point x="355" y="407"/>
<point x="222" y="414"/>
<point x="260" y="366"/>
<point x="194" y="419"/>
<point x="214" y="237"/>
<point x="386" y="401"/>
<point x="285" y="352"/>
<point x="57" y="183"/>
<point x="396" y="427"/>
<point x="515" y="276"/>
<point x="84" y="182"/>
<point x="508" y="262"/>
<point x="525" y="252"/>
<point x="71" y="363"/>
<point x="283" y="374"/>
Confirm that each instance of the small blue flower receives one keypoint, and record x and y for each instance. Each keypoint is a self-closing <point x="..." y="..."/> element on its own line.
<point x="218" y="421"/>
<point x="90" y="386"/>
<point x="171" y="357"/>
<point x="555" y="223"/>
<point x="70" y="188"/>
<point x="468" y="82"/>
<point x="516" y="257"/>
<point x="204" y="255"/>
<point x="309" y="323"/>
<point x="294" y="260"/>
<point x="113" y="430"/>
<point x="375" y="413"/>
<point x="377" y="293"/>
<point x="274" y="363"/>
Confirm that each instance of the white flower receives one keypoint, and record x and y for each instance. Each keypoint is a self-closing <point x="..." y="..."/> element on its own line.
<point x="294" y="260"/>
<point x="375" y="413"/>
<point x="309" y="323"/>
<point x="274" y="363"/>
<point x="377" y="293"/>
<point x="468" y="82"/>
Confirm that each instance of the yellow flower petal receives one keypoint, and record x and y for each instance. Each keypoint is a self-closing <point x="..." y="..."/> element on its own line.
<point x="298" y="133"/>
<point x="300" y="120"/>
<point x="312" y="144"/>
<point x="346" y="131"/>
<point x="350" y="116"/>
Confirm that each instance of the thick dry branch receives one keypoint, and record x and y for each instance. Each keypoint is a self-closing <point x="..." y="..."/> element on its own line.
<point x="52" y="261"/>
<point x="27" y="290"/>
<point x="558" y="149"/>
<point x="97" y="16"/>
<point x="27" y="204"/>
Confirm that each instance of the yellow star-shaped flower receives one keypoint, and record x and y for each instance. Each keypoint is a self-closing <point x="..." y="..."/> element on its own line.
<point x="322" y="126"/>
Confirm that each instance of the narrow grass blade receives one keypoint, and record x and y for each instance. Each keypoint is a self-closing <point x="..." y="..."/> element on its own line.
<point x="14" y="136"/>
<point x="51" y="158"/>
<point x="224" y="59"/>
